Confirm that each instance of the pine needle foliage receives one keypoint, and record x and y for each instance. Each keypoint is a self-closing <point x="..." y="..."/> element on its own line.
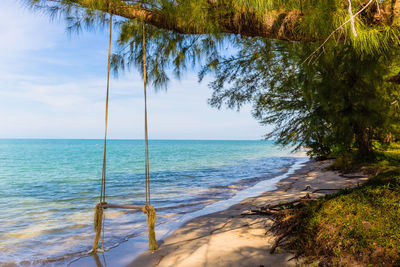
<point x="377" y="25"/>
<point x="299" y="86"/>
<point x="340" y="102"/>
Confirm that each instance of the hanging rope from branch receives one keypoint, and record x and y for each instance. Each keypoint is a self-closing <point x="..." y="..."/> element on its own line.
<point x="148" y="209"/>
<point x="99" y="214"/>
<point x="146" y="137"/>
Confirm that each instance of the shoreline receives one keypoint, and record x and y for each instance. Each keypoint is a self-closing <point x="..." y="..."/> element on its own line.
<point x="126" y="252"/>
<point x="228" y="238"/>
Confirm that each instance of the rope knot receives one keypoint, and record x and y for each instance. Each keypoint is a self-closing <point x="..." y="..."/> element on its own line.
<point x="151" y="221"/>
<point x="97" y="223"/>
<point x="98" y="216"/>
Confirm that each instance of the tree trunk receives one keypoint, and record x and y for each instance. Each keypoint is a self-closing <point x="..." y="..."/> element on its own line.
<point x="363" y="141"/>
<point x="228" y="17"/>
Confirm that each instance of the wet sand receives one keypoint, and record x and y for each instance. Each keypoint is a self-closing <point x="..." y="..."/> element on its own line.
<point x="228" y="238"/>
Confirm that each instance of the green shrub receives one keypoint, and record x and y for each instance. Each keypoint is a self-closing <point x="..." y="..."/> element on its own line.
<point x="354" y="226"/>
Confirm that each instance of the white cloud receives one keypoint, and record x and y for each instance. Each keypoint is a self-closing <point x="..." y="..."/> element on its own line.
<point x="53" y="87"/>
<point x="76" y="110"/>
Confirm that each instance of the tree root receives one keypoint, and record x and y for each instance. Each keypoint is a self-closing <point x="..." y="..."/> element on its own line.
<point x="285" y="219"/>
<point x="277" y="209"/>
<point x="279" y="238"/>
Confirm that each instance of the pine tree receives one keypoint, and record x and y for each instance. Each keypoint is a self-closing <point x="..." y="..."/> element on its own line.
<point x="328" y="90"/>
<point x="183" y="32"/>
<point x="295" y="20"/>
<point x="340" y="101"/>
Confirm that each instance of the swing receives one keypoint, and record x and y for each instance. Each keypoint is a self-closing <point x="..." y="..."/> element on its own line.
<point x="148" y="209"/>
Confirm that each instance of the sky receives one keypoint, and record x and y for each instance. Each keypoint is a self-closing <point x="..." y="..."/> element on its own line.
<point x="52" y="85"/>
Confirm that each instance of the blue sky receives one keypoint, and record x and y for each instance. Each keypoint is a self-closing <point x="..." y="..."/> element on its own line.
<point x="52" y="85"/>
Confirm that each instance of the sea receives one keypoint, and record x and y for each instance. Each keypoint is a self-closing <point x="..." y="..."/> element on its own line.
<point x="49" y="188"/>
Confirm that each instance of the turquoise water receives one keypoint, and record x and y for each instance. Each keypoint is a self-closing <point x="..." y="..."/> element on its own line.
<point x="48" y="188"/>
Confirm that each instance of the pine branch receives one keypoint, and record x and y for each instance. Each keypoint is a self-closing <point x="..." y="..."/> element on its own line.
<point x="282" y="21"/>
<point x="337" y="29"/>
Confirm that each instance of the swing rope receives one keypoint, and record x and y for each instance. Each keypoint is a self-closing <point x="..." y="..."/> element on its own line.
<point x="146" y="137"/>
<point x="148" y="208"/>
<point x="103" y="173"/>
<point x="99" y="213"/>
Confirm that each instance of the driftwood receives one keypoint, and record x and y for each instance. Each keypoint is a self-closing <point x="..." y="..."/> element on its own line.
<point x="326" y="189"/>
<point x="261" y="212"/>
<point x="280" y="205"/>
<point x="277" y="208"/>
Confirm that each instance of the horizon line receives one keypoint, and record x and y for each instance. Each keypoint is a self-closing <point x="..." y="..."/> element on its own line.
<point x="128" y="139"/>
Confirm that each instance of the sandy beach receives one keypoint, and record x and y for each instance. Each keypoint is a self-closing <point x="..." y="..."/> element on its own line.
<point x="228" y="238"/>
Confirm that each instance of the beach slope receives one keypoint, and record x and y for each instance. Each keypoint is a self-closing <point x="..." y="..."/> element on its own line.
<point x="228" y="238"/>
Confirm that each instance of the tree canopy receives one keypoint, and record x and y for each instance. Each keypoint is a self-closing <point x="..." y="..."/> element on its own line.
<point x="342" y="100"/>
<point x="324" y="72"/>
<point x="294" y="20"/>
<point x="184" y="31"/>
